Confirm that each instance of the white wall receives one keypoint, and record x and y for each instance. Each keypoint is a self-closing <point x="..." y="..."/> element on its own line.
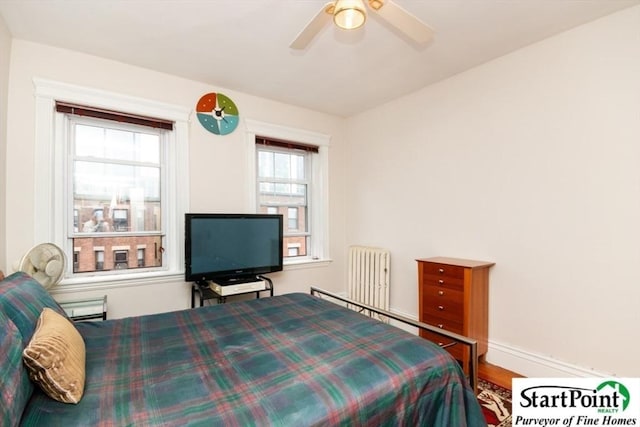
<point x="5" y="54"/>
<point x="531" y="161"/>
<point x="217" y="163"/>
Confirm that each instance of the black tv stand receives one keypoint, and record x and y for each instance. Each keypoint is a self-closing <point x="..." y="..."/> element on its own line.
<point x="206" y="291"/>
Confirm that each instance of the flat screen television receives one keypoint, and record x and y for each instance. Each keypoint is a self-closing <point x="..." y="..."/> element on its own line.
<point x="227" y="248"/>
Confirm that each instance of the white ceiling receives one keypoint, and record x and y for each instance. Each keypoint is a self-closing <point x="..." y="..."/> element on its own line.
<point x="243" y="45"/>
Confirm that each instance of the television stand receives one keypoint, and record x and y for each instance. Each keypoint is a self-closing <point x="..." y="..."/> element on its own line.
<point x="210" y="290"/>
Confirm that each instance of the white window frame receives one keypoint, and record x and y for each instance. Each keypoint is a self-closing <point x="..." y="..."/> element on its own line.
<point x="51" y="188"/>
<point x="319" y="195"/>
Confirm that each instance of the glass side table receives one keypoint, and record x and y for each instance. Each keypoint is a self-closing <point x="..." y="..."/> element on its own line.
<point x="87" y="309"/>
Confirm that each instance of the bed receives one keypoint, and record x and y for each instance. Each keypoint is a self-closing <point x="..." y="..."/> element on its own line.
<point x="289" y="360"/>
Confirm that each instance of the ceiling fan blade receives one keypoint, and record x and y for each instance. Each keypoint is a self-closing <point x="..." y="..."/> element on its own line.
<point x="313" y="27"/>
<point x="402" y="20"/>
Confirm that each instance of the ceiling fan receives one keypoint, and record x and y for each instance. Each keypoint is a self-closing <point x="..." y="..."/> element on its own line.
<point x="352" y="14"/>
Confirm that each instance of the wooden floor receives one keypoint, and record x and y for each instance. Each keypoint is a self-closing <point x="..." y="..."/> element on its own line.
<point x="496" y="374"/>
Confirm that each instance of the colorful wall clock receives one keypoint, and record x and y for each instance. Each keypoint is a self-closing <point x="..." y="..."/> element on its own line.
<point x="217" y="113"/>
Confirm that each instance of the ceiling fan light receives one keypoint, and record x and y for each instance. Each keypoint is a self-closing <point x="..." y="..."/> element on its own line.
<point x="376" y="4"/>
<point x="349" y="14"/>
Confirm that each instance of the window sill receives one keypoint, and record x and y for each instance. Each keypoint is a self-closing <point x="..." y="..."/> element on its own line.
<point x="78" y="284"/>
<point x="306" y="263"/>
<point x="92" y="283"/>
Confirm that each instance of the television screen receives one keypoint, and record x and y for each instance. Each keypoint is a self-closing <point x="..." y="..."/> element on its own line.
<point x="225" y="247"/>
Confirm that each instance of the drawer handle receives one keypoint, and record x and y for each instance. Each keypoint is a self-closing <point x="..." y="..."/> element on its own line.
<point x="441" y="270"/>
<point x="440" y="307"/>
<point x="440" y="293"/>
<point x="440" y="325"/>
<point x="441" y="281"/>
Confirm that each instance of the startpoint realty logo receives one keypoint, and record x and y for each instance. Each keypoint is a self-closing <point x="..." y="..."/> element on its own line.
<point x="576" y="402"/>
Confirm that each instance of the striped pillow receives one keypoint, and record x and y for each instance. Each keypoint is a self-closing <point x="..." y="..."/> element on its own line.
<point x="55" y="357"/>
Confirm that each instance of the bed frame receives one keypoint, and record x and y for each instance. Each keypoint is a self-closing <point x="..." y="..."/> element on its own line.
<point x="459" y="339"/>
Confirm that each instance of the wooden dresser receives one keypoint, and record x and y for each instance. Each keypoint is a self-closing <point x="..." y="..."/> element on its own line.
<point x="453" y="294"/>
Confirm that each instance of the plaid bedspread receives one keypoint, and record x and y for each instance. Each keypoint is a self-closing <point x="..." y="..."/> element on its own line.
<point x="290" y="360"/>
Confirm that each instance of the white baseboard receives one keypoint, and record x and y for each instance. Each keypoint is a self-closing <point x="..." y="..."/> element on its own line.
<point x="535" y="365"/>
<point x="523" y="362"/>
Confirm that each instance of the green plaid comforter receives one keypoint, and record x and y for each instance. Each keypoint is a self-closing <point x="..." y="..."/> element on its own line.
<point x="290" y="360"/>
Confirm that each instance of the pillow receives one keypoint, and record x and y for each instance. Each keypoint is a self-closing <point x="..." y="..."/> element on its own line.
<point x="22" y="299"/>
<point x="16" y="388"/>
<point x="55" y="357"/>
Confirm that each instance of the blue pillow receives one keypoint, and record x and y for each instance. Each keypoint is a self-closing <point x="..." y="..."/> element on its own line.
<point x="16" y="386"/>
<point x="22" y="299"/>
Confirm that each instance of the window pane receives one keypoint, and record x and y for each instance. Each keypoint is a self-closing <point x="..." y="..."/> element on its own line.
<point x="297" y="167"/>
<point x="89" y="141"/>
<point x="149" y="148"/>
<point x="119" y="145"/>
<point x="296" y="246"/>
<point x="266" y="187"/>
<point x="265" y="164"/>
<point x="273" y="194"/>
<point x="116" y="253"/>
<point x="96" y="179"/>
<point x="113" y="197"/>
<point x="282" y="165"/>
<point x="283" y="188"/>
<point x="116" y="144"/>
<point x="292" y="219"/>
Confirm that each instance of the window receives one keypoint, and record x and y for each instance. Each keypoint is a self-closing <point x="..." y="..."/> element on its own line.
<point x="141" y="255"/>
<point x="121" y="220"/>
<point x="115" y="168"/>
<point x="283" y="180"/>
<point x="99" y="259"/>
<point x="120" y="260"/>
<point x="290" y="177"/>
<point x="111" y="184"/>
<point x="293" y="250"/>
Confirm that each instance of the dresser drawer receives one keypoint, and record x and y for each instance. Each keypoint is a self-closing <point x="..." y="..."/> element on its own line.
<point x="444" y="313"/>
<point x="441" y="295"/>
<point x="447" y="276"/>
<point x="446" y="324"/>
<point x="446" y="270"/>
<point x="443" y="282"/>
<point x="443" y="304"/>
<point x="456" y="350"/>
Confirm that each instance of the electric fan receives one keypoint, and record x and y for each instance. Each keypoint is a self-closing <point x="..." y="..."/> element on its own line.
<point x="46" y="263"/>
